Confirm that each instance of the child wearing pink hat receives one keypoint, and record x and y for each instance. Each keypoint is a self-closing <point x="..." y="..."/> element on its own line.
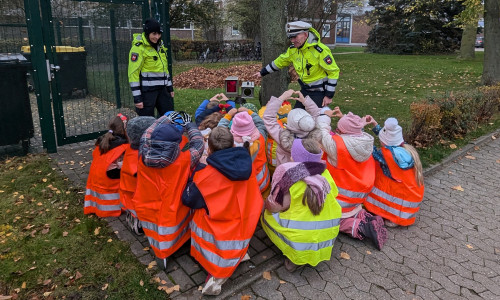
<point x="249" y="131"/>
<point x="399" y="184"/>
<point x="349" y="160"/>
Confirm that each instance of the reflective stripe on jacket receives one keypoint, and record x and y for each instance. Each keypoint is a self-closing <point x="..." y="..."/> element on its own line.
<point x="157" y="200"/>
<point x="128" y="179"/>
<point x="101" y="196"/>
<point x="396" y="200"/>
<point x="354" y="179"/>
<point x="259" y="161"/>
<point x="301" y="236"/>
<point x="220" y="239"/>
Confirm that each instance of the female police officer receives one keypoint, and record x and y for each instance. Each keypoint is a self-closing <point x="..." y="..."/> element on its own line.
<point x="148" y="72"/>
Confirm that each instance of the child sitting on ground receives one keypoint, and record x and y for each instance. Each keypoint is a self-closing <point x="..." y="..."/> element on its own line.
<point x="226" y="197"/>
<point x="101" y="196"/>
<point x="302" y="216"/>
<point x="350" y="162"/>
<point x="300" y="123"/>
<point x="399" y="181"/>
<point x="128" y="175"/>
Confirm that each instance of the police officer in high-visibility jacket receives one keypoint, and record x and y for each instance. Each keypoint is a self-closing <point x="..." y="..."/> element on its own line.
<point x="313" y="62"/>
<point x="148" y="75"/>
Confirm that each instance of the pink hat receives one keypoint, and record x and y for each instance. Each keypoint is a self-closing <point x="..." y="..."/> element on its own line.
<point x="243" y="126"/>
<point x="351" y="124"/>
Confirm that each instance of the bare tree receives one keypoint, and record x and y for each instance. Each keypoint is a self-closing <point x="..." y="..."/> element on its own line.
<point x="491" y="71"/>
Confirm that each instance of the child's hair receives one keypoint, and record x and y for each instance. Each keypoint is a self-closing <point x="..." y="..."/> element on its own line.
<point x="287" y="137"/>
<point x="116" y="128"/>
<point x="212" y="104"/>
<point x="220" y="138"/>
<point x="210" y="121"/>
<point x="312" y="146"/>
<point x="419" y="176"/>
<point x="240" y="100"/>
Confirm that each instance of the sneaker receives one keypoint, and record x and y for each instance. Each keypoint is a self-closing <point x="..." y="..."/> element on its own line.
<point x="136" y="226"/>
<point x="161" y="263"/>
<point x="375" y="231"/>
<point x="290" y="266"/>
<point x="130" y="221"/>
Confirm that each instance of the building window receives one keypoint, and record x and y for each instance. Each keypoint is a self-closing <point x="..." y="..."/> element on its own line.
<point x="343" y="29"/>
<point x="234" y="30"/>
<point x="326" y="31"/>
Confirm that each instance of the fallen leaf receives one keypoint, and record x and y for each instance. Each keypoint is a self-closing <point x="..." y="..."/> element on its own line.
<point x="146" y="249"/>
<point x="156" y="279"/>
<point x="458" y="188"/>
<point x="96" y="231"/>
<point x="163" y="282"/>
<point x="20" y="167"/>
<point x="493" y="137"/>
<point x="266" y="275"/>
<point x="65" y="233"/>
<point x="141" y="283"/>
<point x="245" y="297"/>
<point x="46" y="294"/>
<point x="47" y="281"/>
<point x="44" y="180"/>
<point x="78" y="275"/>
<point x="23" y="286"/>
<point x="344" y="255"/>
<point x="110" y="240"/>
<point x="453" y="146"/>
<point x="2" y="297"/>
<point x="498" y="161"/>
<point x="368" y="252"/>
<point x="152" y="264"/>
<point x="200" y="288"/>
<point x="104" y="287"/>
<point x="169" y="290"/>
<point x="45" y="231"/>
<point x="470" y="157"/>
<point x="469" y="246"/>
<point x="282" y="281"/>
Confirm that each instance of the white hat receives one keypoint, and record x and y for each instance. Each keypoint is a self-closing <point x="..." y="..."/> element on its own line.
<point x="294" y="28"/>
<point x="391" y="134"/>
<point x="300" y="122"/>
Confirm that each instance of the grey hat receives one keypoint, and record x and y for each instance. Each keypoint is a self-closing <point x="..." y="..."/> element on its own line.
<point x="135" y="129"/>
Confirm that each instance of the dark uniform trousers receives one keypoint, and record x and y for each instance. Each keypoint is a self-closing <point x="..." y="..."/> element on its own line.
<point x="316" y="96"/>
<point x="160" y="99"/>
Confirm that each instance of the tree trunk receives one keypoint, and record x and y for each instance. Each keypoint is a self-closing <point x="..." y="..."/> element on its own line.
<point x="467" y="48"/>
<point x="491" y="68"/>
<point x="274" y="42"/>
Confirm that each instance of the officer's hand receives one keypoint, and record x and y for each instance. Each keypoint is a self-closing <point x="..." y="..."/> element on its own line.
<point x="258" y="75"/>
<point x="172" y="94"/>
<point x="139" y="105"/>
<point x="326" y="101"/>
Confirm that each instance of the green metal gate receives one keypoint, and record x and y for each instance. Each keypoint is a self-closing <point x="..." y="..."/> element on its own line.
<point x="79" y="53"/>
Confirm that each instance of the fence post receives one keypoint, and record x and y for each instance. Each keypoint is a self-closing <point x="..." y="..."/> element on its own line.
<point x="58" y="31"/>
<point x="40" y="74"/>
<point x="80" y="31"/>
<point x="116" y="73"/>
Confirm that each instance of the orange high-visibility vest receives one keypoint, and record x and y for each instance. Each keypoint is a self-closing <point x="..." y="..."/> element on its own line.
<point x="101" y="196"/>
<point x="353" y="179"/>
<point x="220" y="240"/>
<point x="128" y="179"/>
<point x="396" y="200"/>
<point x="271" y="146"/>
<point x="259" y="161"/>
<point x="158" y="204"/>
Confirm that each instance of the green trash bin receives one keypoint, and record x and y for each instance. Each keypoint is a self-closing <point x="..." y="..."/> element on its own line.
<point x="73" y="72"/>
<point x="16" y="121"/>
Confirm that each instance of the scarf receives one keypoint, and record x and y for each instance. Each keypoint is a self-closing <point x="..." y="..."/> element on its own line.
<point x="288" y="174"/>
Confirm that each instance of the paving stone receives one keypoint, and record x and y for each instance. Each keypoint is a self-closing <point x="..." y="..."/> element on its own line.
<point x="289" y="291"/>
<point x="376" y="279"/>
<point x="444" y="294"/>
<point x="262" y="256"/>
<point x="358" y="280"/>
<point x="188" y="264"/>
<point x="445" y="282"/>
<point x="425" y="293"/>
<point x="469" y="293"/>
<point x="334" y="291"/>
<point x="268" y="289"/>
<point x="257" y="244"/>
<point x="398" y="293"/>
<point x="379" y="292"/>
<point x="137" y="249"/>
<point x="182" y="279"/>
<point x="340" y="280"/>
<point x="245" y="292"/>
<point x="294" y="278"/>
<point x="313" y="278"/>
<point x="146" y="259"/>
<point x="309" y="292"/>
<point x="199" y="278"/>
<point x="354" y="293"/>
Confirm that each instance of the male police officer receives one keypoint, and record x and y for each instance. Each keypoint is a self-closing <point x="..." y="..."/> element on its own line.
<point x="313" y="61"/>
<point x="148" y="72"/>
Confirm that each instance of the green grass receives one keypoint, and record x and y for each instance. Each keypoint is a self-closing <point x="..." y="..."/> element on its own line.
<point x="46" y="243"/>
<point x="345" y="49"/>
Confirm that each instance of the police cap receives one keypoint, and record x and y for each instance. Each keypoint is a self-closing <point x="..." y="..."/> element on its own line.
<point x="296" y="27"/>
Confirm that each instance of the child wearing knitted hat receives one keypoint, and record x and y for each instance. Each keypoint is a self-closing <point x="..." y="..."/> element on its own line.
<point x="300" y="123"/>
<point x="128" y="175"/>
<point x="302" y="216"/>
<point x="349" y="160"/>
<point x="399" y="184"/>
<point x="249" y="131"/>
<point x="103" y="183"/>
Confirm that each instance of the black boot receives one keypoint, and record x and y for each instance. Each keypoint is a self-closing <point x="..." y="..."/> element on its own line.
<point x="375" y="231"/>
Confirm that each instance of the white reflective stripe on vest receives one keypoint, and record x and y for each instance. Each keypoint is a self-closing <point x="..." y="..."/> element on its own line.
<point x="301" y="246"/>
<point x="154" y="82"/>
<point x="136" y="93"/>
<point x="395" y="212"/>
<point x="164" y="230"/>
<point x="214" y="258"/>
<point x="222" y="245"/>
<point x="330" y="88"/>
<point x="101" y="207"/>
<point x="351" y="194"/>
<point x="111" y="196"/>
<point x="306" y="225"/>
<point x="317" y="82"/>
<point x="135" y="84"/>
<point x="262" y="172"/>
<point x="153" y="74"/>
<point x="167" y="244"/>
<point x="344" y="204"/>
<point x="395" y="200"/>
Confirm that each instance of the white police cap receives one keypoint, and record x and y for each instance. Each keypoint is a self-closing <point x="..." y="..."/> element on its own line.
<point x="296" y="27"/>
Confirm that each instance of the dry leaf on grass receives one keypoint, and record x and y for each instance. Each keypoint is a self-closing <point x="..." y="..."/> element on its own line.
<point x="266" y="275"/>
<point x="46" y="294"/>
<point x="344" y="255"/>
<point x="458" y="188"/>
<point x="151" y="265"/>
<point x="105" y="287"/>
<point x="141" y="283"/>
<point x="78" y="275"/>
<point x="169" y="290"/>
<point x="23" y="286"/>
<point x="453" y="146"/>
<point x="96" y="231"/>
<point x="2" y="297"/>
<point x="47" y="281"/>
<point x="65" y="233"/>
<point x="470" y="157"/>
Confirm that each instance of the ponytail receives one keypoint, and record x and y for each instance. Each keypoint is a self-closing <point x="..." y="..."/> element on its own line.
<point x="246" y="145"/>
<point x="116" y="128"/>
<point x="312" y="201"/>
<point x="419" y="176"/>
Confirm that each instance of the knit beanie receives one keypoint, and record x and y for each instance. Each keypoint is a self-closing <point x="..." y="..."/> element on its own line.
<point x="250" y="106"/>
<point x="243" y="126"/>
<point x="351" y="124"/>
<point x="391" y="134"/>
<point x="300" y="154"/>
<point x="166" y="133"/>
<point x="300" y="122"/>
<point x="151" y="25"/>
<point x="135" y="129"/>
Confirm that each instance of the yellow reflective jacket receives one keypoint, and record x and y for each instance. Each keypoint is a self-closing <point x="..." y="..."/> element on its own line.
<point x="303" y="237"/>
<point x="313" y="62"/>
<point x="147" y="67"/>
